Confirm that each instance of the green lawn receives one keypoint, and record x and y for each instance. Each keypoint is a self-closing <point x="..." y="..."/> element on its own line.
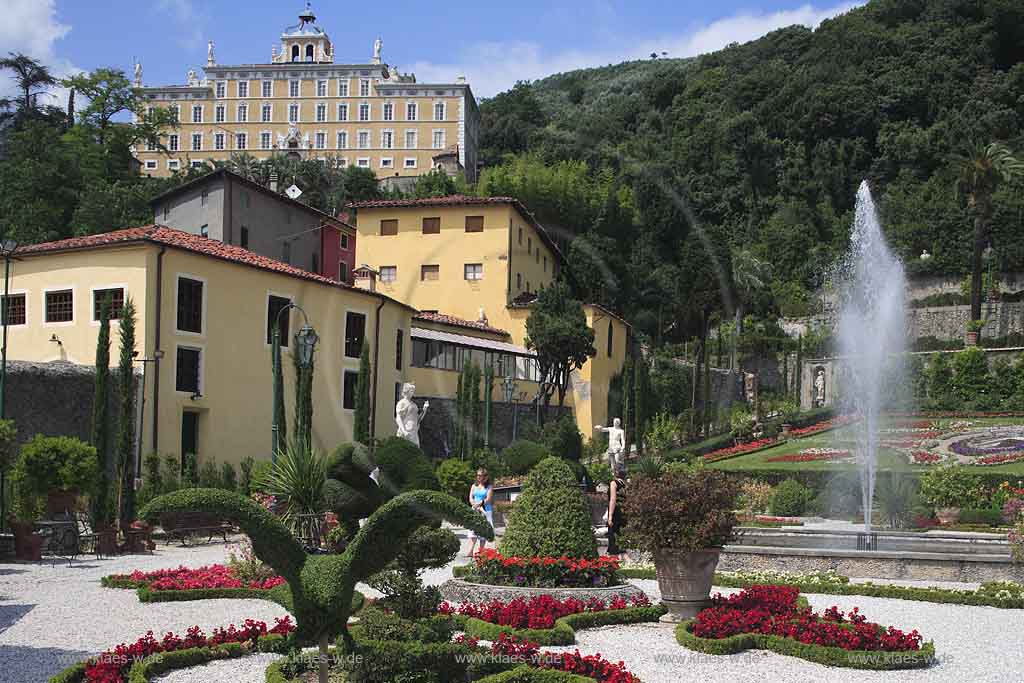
<point x="888" y="460"/>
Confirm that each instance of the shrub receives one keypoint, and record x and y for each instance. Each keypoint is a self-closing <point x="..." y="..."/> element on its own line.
<point x="260" y="471"/>
<point x="755" y="496"/>
<point x="404" y="592"/>
<point x="599" y="472"/>
<point x="561" y="438"/>
<point x="209" y="477"/>
<point x="245" y="481"/>
<point x="680" y="510"/>
<point x="455" y="477"/>
<point x="662" y="434"/>
<point x="348" y="491"/>
<point x="49" y="463"/>
<point x="791" y="498"/>
<point x="551" y="515"/>
<point x="228" y="478"/>
<point x="970" y="378"/>
<point x="983" y="516"/>
<point x="521" y="456"/>
<point x="404" y="467"/>
<point x="895" y="495"/>
<point x="490" y="461"/>
<point x="951" y="487"/>
<point x="940" y="383"/>
<point x="297" y="477"/>
<point x="1012" y="510"/>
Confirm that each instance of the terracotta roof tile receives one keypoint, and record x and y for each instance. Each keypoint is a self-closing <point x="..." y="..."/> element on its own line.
<point x="458" y="322"/>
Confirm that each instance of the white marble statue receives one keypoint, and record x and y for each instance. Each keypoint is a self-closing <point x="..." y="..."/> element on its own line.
<point x="616" y="444"/>
<point x="378" y="45"/>
<point x="819" y="388"/>
<point x="138" y="74"/>
<point x="408" y="415"/>
<point x="209" y="53"/>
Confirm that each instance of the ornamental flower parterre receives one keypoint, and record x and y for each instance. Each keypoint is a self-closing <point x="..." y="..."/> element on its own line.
<point x="494" y="568"/>
<point x="511" y="648"/>
<point x="738" y="450"/>
<point x="812" y="455"/>
<point x="184" y="578"/>
<point x="540" y="612"/>
<point x="112" y="666"/>
<point x="773" y="610"/>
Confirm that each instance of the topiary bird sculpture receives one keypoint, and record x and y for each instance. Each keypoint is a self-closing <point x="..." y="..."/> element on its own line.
<point x="322" y="585"/>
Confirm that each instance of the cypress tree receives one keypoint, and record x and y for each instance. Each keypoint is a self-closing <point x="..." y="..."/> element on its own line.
<point x="361" y="429"/>
<point x="126" y="424"/>
<point x="279" y="413"/>
<point x="488" y="396"/>
<point x="799" y="368"/>
<point x="303" y="422"/>
<point x="101" y="419"/>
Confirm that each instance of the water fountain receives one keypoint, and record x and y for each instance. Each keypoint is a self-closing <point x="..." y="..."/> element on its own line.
<point x="871" y="334"/>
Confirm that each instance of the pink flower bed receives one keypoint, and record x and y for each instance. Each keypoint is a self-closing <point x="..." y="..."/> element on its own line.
<point x="184" y="579"/>
<point x="999" y="459"/>
<point x="539" y="612"/>
<point x="925" y="458"/>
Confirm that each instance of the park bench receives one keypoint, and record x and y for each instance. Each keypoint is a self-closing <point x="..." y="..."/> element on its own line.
<point x="186" y="526"/>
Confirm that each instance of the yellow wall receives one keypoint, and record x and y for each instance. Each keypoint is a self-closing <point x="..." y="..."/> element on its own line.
<point x="590" y="384"/>
<point x="530" y="258"/>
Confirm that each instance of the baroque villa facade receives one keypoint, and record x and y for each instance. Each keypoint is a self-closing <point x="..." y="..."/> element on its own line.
<point x="304" y="104"/>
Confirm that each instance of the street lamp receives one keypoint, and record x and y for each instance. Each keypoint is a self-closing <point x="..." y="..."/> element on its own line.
<point x="509" y="385"/>
<point x="7" y="248"/>
<point x="305" y="343"/>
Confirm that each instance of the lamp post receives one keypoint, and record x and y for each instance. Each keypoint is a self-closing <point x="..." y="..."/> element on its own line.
<point x="509" y="386"/>
<point x="305" y="343"/>
<point x="7" y="247"/>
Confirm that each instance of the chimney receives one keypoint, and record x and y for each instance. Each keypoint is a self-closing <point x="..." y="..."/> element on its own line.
<point x="273" y="181"/>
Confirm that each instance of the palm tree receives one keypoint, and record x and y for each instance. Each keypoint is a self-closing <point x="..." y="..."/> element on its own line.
<point x="981" y="169"/>
<point x="749" y="275"/>
<point x="32" y="78"/>
<point x="322" y="585"/>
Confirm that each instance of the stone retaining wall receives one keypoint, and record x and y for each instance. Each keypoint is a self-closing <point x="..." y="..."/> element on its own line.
<point x="437" y="431"/>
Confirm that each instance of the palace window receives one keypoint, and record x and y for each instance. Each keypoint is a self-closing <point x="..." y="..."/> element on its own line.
<point x="197" y="142"/>
<point x="410" y="111"/>
<point x="268" y="88"/>
<point x="388" y="273"/>
<point x="355" y="333"/>
<point x="243" y="88"/>
<point x="265" y="140"/>
<point x="218" y="113"/>
<point x="343" y="112"/>
<point x="186" y="376"/>
<point x="364" y="139"/>
<point x="13" y="309"/>
<point x="342" y="88"/>
<point x="474" y="223"/>
<point x="387" y="139"/>
<point x="243" y="113"/>
<point x="172" y="142"/>
<point x="410" y="162"/>
<point x="150" y="146"/>
<point x="350" y="381"/>
<point x="222" y="89"/>
<point x="399" y="343"/>
<point x="432" y="226"/>
<point x="473" y="271"/>
<point x="387" y="162"/>
<point x="430" y="272"/>
<point x="410" y="139"/>
<point x="363" y="162"/>
<point x="175" y="111"/>
<point x="364" y="88"/>
<point x="218" y="141"/>
<point x="266" y="113"/>
<point x="343" y="242"/>
<point x="321" y="140"/>
<point x="364" y="112"/>
<point x="342" y="140"/>
<point x="296" y="53"/>
<point x="321" y="112"/>
<point x="438" y="139"/>
<point x="293" y="113"/>
<point x="439" y="111"/>
<point x="388" y="226"/>
<point x="190" y="305"/>
<point x="241" y="141"/>
<point x="275" y="304"/>
<point x="321" y="88"/>
<point x="342" y="272"/>
<point x="389" y="111"/>
<point x="173" y="164"/>
<point x="293" y="88"/>
<point x="151" y="164"/>
<point x="197" y="113"/>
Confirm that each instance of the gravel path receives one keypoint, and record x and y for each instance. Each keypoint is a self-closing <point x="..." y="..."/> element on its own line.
<point x="51" y="617"/>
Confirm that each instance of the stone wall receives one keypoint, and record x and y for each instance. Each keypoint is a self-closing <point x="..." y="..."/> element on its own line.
<point x="437" y="431"/>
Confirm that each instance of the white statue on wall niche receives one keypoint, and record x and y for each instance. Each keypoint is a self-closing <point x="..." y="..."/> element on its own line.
<point x="209" y="53"/>
<point x="408" y="415"/>
<point x="819" y="388"/>
<point x="378" y="45"/>
<point x="616" y="444"/>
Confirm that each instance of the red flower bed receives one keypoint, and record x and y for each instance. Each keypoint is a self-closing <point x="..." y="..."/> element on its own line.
<point x="737" y="450"/>
<point x="539" y="612"/>
<point x="112" y="666"/>
<point x="510" y="648"/>
<point x="494" y="568"/>
<point x="925" y="458"/>
<point x="184" y="578"/>
<point x="822" y="426"/>
<point x="773" y="610"/>
<point x="811" y="455"/>
<point x="1000" y="459"/>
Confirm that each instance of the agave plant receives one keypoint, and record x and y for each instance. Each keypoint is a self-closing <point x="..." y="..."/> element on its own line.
<point x="895" y="496"/>
<point x="297" y="477"/>
<point x="322" y="585"/>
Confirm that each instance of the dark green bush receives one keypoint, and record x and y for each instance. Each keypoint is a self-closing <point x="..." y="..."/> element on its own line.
<point x="562" y="439"/>
<point x="49" y="463"/>
<point x="455" y="477"/>
<point x="551" y="516"/>
<point x="981" y="516"/>
<point x="348" y="490"/>
<point x="521" y="456"/>
<point x="971" y="380"/>
<point x="209" y="477"/>
<point x="228" y="477"/>
<point x="791" y="498"/>
<point x="378" y="624"/>
<point x="429" y="548"/>
<point x="404" y="467"/>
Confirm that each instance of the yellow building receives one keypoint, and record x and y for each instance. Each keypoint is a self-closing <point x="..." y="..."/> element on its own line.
<point x="204" y="313"/>
<point x="482" y="259"/>
<point x="305" y="104"/>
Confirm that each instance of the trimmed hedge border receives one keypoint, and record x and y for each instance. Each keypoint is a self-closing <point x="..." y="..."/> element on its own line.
<point x="869" y="590"/>
<point x="160" y="663"/>
<point x="564" y="631"/>
<point x="529" y="674"/>
<point x="820" y="654"/>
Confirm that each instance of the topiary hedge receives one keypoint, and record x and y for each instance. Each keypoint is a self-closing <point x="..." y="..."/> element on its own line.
<point x="528" y="674"/>
<point x="551" y="516"/>
<point x="404" y="467"/>
<point x="521" y="456"/>
<point x="791" y="498"/>
<point x="348" y="490"/>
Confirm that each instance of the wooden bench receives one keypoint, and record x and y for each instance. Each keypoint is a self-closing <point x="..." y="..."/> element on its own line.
<point x="188" y="525"/>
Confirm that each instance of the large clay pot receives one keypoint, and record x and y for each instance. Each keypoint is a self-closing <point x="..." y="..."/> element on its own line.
<point x="61" y="502"/>
<point x="27" y="544"/>
<point x="948" y="515"/>
<point x="684" y="579"/>
<point x="106" y="541"/>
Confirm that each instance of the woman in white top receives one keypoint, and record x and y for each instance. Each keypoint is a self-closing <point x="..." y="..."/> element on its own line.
<point x="480" y="495"/>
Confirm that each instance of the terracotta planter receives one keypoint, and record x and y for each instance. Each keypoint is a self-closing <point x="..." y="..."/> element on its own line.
<point x="61" y="502"/>
<point x="684" y="579"/>
<point x="106" y="541"/>
<point x="948" y="515"/>
<point x="28" y="545"/>
<point x="971" y="339"/>
<point x="786" y="429"/>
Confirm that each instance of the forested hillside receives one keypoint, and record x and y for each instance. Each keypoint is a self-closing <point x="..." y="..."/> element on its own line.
<point x="752" y="155"/>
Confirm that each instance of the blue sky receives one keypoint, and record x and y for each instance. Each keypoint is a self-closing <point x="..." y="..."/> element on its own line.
<point x="492" y="43"/>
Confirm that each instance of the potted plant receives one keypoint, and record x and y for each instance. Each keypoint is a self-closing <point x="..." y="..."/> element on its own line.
<point x="974" y="328"/>
<point x="682" y="518"/>
<point x="949" y="489"/>
<point x="55" y="469"/>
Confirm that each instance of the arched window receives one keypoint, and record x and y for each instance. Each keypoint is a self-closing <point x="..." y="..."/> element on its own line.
<point x="309" y="53"/>
<point x="295" y="53"/>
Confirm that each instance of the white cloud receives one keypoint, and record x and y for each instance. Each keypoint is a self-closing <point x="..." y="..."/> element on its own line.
<point x="31" y="27"/>
<point x="491" y="67"/>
